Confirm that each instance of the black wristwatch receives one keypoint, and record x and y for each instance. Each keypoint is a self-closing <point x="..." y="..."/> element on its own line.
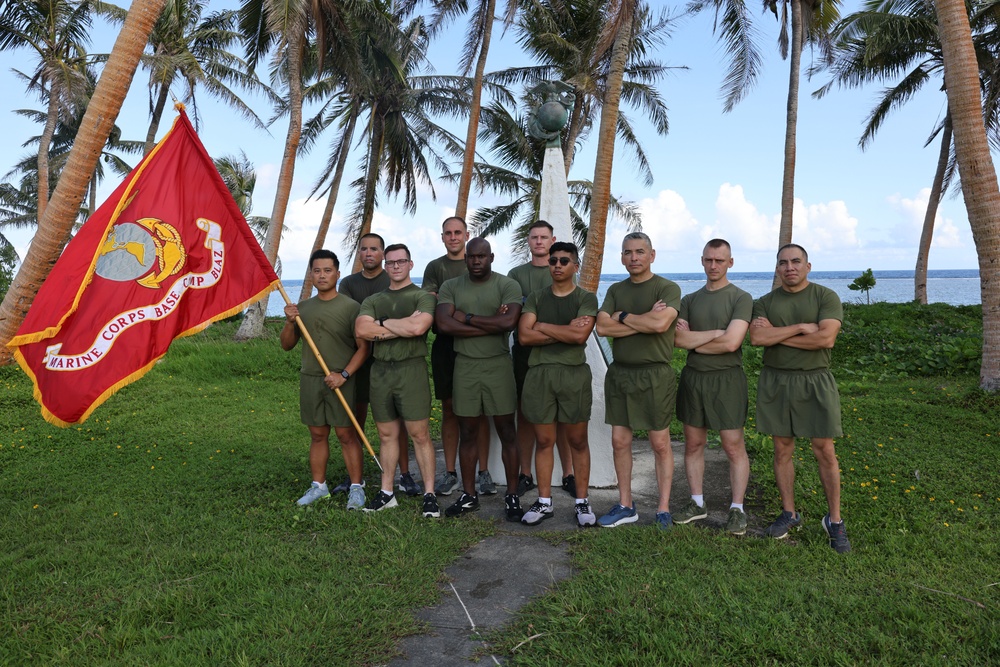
<point x="468" y="318"/>
<point x="622" y="315"/>
<point x="381" y="321"/>
<point x="345" y="374"/>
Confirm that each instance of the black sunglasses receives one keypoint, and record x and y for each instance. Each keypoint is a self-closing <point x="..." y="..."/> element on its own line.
<point x="561" y="260"/>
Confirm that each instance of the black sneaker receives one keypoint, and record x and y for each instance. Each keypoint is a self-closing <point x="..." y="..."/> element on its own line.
<point x="463" y="505"/>
<point x="431" y="510"/>
<point x="381" y="501"/>
<point x="837" y="534"/>
<point x="407" y="485"/>
<point x="512" y="506"/>
<point x="785" y="522"/>
<point x="344" y="486"/>
<point x="524" y="484"/>
<point x="569" y="485"/>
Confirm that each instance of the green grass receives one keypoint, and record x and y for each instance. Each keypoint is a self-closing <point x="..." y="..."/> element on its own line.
<point x="164" y="531"/>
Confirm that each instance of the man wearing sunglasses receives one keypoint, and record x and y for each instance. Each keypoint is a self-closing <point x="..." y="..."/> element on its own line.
<point x="557" y="396"/>
<point x="397" y="321"/>
<point x="712" y="324"/>
<point x="531" y="276"/>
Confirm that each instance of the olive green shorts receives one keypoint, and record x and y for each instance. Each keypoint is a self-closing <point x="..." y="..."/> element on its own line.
<point x="520" y="354"/>
<point x="640" y="397"/>
<point x="484" y="386"/>
<point x="800" y="404"/>
<point x="319" y="405"/>
<point x="557" y="393"/>
<point x="400" y="389"/>
<point x="362" y="381"/>
<point x="443" y="366"/>
<point x="713" y="399"/>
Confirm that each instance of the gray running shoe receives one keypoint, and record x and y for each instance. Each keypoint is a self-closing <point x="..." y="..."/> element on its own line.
<point x="355" y="498"/>
<point x="407" y="485"/>
<point x="664" y="521"/>
<point x="344" y="486"/>
<point x="431" y="510"/>
<point x="785" y="522"/>
<point x="584" y="515"/>
<point x="380" y="502"/>
<point x="537" y="513"/>
<point x="736" y="524"/>
<point x="525" y="483"/>
<point x="837" y="534"/>
<point x="447" y="483"/>
<point x="690" y="512"/>
<point x="485" y="483"/>
<point x="314" y="493"/>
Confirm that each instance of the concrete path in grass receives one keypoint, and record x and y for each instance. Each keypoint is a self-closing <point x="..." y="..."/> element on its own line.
<point x="496" y="577"/>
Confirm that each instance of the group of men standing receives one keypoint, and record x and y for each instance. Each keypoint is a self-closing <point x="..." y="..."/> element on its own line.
<point x="540" y="400"/>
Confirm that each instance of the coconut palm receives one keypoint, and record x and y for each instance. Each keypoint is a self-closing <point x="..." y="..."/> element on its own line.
<point x="975" y="166"/>
<point x="58" y="32"/>
<point x="564" y="38"/>
<point x="517" y="179"/>
<point x="897" y="41"/>
<point x="55" y="224"/>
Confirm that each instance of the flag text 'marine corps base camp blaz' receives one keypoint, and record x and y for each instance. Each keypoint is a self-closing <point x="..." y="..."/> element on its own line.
<point x="165" y="256"/>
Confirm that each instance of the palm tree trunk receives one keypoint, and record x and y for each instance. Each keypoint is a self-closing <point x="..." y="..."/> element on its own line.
<point x="154" y="122"/>
<point x="253" y="323"/>
<point x="575" y="123"/>
<point x="927" y="233"/>
<point x="791" y="122"/>
<point x="44" y="142"/>
<point x="375" y="147"/>
<point x="468" y="159"/>
<point x="975" y="167"/>
<point x="92" y="189"/>
<point x="55" y="226"/>
<point x="593" y="260"/>
<point x="331" y="200"/>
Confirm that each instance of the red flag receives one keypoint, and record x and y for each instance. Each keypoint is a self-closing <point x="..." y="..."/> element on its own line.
<point x="165" y="256"/>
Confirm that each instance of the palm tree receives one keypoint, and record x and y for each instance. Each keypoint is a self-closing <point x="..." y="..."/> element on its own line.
<point x="517" y="178"/>
<point x="195" y="50"/>
<point x="975" y="166"/>
<point x="801" y="22"/>
<point x="889" y="39"/>
<point x="55" y="224"/>
<point x="57" y="31"/>
<point x="565" y="39"/>
<point x="475" y="50"/>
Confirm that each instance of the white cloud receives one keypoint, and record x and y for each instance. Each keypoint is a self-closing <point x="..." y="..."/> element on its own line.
<point x="739" y="222"/>
<point x="668" y="222"/>
<point x="824" y="227"/>
<point x="912" y="212"/>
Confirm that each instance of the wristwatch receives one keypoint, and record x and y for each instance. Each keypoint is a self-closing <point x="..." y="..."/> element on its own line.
<point x="381" y="321"/>
<point x="622" y="316"/>
<point x="345" y="374"/>
<point x="468" y="318"/>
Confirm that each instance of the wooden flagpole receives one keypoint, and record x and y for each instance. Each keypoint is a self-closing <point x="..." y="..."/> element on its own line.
<point x="326" y="371"/>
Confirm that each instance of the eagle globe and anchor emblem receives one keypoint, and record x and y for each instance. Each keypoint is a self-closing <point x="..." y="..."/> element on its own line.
<point x="148" y="251"/>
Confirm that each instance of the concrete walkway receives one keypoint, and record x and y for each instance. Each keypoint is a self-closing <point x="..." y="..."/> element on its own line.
<point x="495" y="578"/>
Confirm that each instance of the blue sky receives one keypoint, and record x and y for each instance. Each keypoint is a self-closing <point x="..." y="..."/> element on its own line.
<point x="715" y="174"/>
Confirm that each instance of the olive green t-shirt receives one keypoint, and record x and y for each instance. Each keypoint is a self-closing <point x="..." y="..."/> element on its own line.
<point x="813" y="304"/>
<point x="530" y="278"/>
<point x="396" y="305"/>
<point x="560" y="310"/>
<point x="630" y="297"/>
<point x="331" y="325"/>
<point x="481" y="298"/>
<point x="706" y="310"/>
<point x="442" y="269"/>
<point x="359" y="288"/>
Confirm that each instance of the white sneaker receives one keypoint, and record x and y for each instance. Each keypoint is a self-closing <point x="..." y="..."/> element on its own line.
<point x="537" y="513"/>
<point x="584" y="515"/>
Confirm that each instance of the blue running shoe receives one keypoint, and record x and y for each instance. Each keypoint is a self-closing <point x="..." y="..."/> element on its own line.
<point x="619" y="515"/>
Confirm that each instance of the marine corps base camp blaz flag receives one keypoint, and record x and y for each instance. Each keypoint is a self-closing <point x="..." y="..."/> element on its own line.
<point x="165" y="256"/>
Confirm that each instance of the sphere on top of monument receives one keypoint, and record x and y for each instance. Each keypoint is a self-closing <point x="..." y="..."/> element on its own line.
<point x="549" y="118"/>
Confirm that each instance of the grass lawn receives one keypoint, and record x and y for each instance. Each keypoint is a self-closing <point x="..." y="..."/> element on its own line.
<point x="164" y="531"/>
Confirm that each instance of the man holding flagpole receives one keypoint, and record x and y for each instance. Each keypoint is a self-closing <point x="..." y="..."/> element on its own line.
<point x="329" y="318"/>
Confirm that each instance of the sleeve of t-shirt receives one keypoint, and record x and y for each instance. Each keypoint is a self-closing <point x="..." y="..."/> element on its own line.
<point x="588" y="305"/>
<point x="429" y="283"/>
<point x="609" y="301"/>
<point x="830" y="307"/>
<point x="345" y="288"/>
<point x="744" y="308"/>
<point x="426" y="303"/>
<point x="445" y="293"/>
<point x="512" y="292"/>
<point x="670" y="294"/>
<point x="368" y="307"/>
<point x="759" y="308"/>
<point x="531" y="304"/>
<point x="682" y="312"/>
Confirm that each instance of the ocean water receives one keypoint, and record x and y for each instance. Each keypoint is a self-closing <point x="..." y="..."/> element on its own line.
<point x="955" y="287"/>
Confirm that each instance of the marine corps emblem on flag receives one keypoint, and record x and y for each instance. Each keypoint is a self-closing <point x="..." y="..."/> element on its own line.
<point x="165" y="256"/>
